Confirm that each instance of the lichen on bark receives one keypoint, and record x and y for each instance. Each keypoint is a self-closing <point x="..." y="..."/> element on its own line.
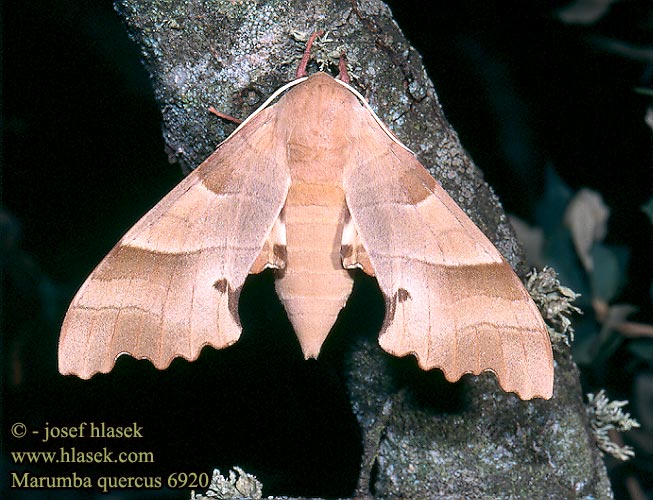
<point x="423" y="437"/>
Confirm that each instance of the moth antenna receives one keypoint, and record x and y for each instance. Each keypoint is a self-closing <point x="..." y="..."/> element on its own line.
<point x="342" y="69"/>
<point x="225" y="116"/>
<point x="301" y="69"/>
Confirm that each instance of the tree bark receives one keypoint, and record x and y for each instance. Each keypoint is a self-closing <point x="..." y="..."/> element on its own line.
<point x="422" y="437"/>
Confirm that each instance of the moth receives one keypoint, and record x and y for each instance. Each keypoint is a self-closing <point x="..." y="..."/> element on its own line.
<point x="313" y="187"/>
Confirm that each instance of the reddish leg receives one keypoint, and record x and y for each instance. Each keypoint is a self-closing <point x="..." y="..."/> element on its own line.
<point x="342" y="69"/>
<point x="301" y="69"/>
<point x="224" y="116"/>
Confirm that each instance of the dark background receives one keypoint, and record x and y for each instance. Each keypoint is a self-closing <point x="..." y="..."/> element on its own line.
<point x="83" y="159"/>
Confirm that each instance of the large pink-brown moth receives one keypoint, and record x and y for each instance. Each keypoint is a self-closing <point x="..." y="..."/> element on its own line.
<point x="312" y="186"/>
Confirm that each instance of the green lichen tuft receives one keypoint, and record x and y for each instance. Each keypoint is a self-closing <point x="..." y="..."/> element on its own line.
<point x="324" y="51"/>
<point x="554" y="301"/>
<point x="604" y="416"/>
<point x="239" y="484"/>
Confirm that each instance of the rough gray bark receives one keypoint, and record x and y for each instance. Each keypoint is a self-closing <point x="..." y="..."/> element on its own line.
<point x="487" y="444"/>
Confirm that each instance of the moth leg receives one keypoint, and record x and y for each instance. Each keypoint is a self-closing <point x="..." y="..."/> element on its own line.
<point x="352" y="251"/>
<point x="273" y="254"/>
<point x="301" y="69"/>
<point x="225" y="116"/>
<point x="342" y="69"/>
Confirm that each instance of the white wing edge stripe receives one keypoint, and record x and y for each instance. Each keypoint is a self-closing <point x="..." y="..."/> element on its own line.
<point x="276" y="94"/>
<point x="369" y="108"/>
<point x="351" y="89"/>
